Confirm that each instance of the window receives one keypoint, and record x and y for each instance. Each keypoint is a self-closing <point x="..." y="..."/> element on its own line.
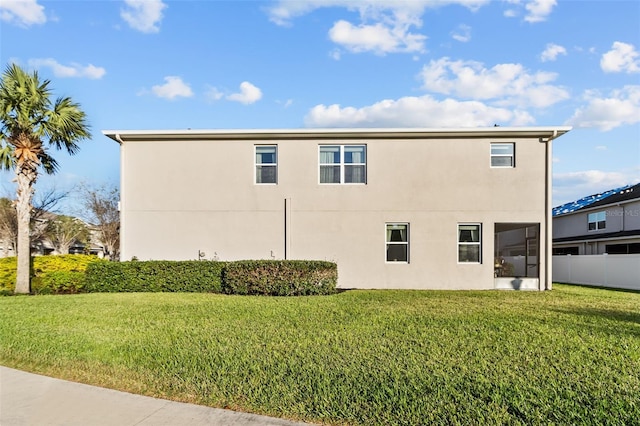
<point x="397" y="242"/>
<point x="503" y="155"/>
<point x="597" y="221"/>
<point x="266" y="164"/>
<point x="631" y="248"/>
<point x="469" y="243"/>
<point x="563" y="251"/>
<point x="343" y="164"/>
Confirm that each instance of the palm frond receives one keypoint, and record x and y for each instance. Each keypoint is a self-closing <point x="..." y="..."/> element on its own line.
<point x="7" y="160"/>
<point x="66" y="125"/>
<point x="49" y="164"/>
<point x="29" y="120"/>
<point x="23" y="98"/>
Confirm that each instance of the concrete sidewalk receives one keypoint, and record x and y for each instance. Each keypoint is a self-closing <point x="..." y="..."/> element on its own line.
<point x="32" y="400"/>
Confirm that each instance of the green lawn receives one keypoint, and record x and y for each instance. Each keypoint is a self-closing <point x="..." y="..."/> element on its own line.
<point x="569" y="356"/>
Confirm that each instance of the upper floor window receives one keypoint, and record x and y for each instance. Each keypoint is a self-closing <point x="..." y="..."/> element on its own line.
<point x="398" y="242"/>
<point x="597" y="221"/>
<point x="266" y="164"/>
<point x="469" y="243"/>
<point x="343" y="164"/>
<point x="503" y="155"/>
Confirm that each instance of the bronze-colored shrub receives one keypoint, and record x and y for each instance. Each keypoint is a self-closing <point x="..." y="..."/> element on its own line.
<point x="280" y="277"/>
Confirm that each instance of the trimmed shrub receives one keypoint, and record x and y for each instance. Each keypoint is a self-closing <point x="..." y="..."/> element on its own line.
<point x="43" y="265"/>
<point x="59" y="282"/>
<point x="8" y="266"/>
<point x="155" y="276"/>
<point x="48" y="273"/>
<point x="280" y="277"/>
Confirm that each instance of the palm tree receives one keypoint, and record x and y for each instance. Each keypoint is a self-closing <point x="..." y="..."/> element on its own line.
<point x="31" y="124"/>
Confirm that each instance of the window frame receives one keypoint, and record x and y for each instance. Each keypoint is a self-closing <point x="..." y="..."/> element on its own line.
<point x="468" y="243"/>
<point x="512" y="155"/>
<point x="597" y="222"/>
<point x="257" y="165"/>
<point x="397" y="243"/>
<point x="342" y="164"/>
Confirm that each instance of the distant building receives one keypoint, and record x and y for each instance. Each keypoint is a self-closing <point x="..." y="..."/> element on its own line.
<point x="466" y="208"/>
<point x="607" y="222"/>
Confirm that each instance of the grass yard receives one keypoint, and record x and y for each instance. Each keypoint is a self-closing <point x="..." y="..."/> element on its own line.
<point x="570" y="356"/>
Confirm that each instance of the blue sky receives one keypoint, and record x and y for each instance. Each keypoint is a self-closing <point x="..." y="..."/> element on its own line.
<point x="152" y="64"/>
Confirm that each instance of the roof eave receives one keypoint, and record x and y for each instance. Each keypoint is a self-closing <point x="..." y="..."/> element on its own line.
<point x="333" y="133"/>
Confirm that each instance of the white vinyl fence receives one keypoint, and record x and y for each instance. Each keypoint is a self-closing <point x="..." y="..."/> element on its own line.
<point x="606" y="270"/>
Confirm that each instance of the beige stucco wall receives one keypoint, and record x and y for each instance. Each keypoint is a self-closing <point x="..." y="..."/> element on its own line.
<point x="179" y="197"/>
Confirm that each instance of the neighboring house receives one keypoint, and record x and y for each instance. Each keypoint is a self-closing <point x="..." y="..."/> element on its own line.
<point x="94" y="245"/>
<point x="466" y="208"/>
<point x="41" y="244"/>
<point x="596" y="240"/>
<point x="608" y="222"/>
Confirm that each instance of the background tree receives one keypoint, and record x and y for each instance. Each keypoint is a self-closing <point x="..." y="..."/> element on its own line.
<point x="32" y="124"/>
<point x="8" y="226"/>
<point x="45" y="208"/>
<point x="101" y="210"/>
<point x="65" y="231"/>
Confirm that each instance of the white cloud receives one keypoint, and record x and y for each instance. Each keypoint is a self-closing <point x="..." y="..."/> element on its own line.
<point x="284" y="11"/>
<point x="248" y="94"/>
<point x="22" y="12"/>
<point x="535" y="10"/>
<point x="622" y="57"/>
<point x="214" y="94"/>
<point x="424" y="111"/>
<point x="385" y="25"/>
<point x="572" y="186"/>
<point x="462" y="33"/>
<point x="378" y="38"/>
<point x="539" y="10"/>
<point x="551" y="52"/>
<point x="506" y="84"/>
<point x="601" y="148"/>
<point x="73" y="70"/>
<point x="621" y="107"/>
<point x="173" y="88"/>
<point x="143" y="15"/>
<point x="605" y="180"/>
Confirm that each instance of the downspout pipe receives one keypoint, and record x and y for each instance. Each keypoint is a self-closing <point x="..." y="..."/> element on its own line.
<point x="548" y="225"/>
<point x="121" y="206"/>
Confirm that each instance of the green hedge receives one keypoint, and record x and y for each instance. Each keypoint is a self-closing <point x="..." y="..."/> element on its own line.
<point x="280" y="277"/>
<point x="155" y="276"/>
<point x="81" y="273"/>
<point x="49" y="274"/>
<point x="59" y="282"/>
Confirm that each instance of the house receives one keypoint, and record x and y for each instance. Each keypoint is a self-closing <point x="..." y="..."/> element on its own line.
<point x="45" y="239"/>
<point x="465" y="208"/>
<point x="608" y="222"/>
<point x="596" y="240"/>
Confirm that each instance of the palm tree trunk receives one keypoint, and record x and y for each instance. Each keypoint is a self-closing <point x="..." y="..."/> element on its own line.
<point x="26" y="177"/>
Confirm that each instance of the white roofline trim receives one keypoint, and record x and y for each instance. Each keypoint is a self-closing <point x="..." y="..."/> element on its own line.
<point x="332" y="133"/>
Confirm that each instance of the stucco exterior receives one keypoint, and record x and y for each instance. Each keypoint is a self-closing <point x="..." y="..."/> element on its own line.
<point x="188" y="192"/>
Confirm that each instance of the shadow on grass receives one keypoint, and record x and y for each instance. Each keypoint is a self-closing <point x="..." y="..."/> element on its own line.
<point x="615" y="315"/>
<point x="599" y="287"/>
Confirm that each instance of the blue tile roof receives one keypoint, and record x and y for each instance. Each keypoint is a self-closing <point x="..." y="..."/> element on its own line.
<point x="585" y="201"/>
